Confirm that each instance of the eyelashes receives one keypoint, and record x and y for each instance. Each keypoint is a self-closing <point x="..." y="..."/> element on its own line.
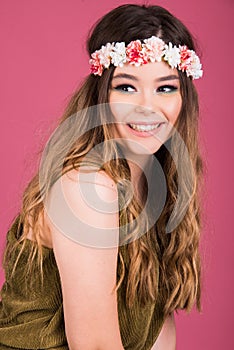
<point x="163" y="89"/>
<point x="167" y="89"/>
<point x="124" y="88"/>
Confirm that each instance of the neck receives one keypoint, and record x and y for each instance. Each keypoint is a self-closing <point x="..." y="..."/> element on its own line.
<point x="137" y="175"/>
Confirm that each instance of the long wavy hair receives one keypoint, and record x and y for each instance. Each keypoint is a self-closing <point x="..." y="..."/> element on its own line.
<point x="162" y="260"/>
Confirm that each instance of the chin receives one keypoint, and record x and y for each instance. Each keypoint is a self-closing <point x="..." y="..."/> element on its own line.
<point x="136" y="148"/>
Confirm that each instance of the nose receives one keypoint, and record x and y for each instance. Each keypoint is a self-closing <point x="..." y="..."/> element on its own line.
<point x="146" y="103"/>
<point x="144" y="110"/>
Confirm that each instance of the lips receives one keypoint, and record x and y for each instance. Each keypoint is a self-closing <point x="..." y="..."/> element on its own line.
<point x="145" y="129"/>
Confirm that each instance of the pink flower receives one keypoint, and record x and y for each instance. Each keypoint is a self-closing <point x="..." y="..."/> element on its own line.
<point x="135" y="53"/>
<point x="96" y="67"/>
<point x="154" y="48"/>
<point x="185" y="58"/>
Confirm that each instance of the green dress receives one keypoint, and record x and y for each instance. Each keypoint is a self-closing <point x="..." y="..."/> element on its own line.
<point x="34" y="320"/>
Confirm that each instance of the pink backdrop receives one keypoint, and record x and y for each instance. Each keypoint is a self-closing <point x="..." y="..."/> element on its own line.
<point x="43" y="58"/>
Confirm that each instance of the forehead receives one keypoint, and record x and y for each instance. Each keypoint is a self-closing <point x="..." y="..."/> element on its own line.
<point x="148" y="71"/>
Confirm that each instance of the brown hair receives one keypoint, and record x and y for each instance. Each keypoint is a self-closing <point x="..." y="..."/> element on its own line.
<point x="161" y="262"/>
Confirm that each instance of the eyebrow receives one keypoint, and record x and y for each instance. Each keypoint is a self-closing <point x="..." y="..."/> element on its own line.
<point x="133" y="78"/>
<point x="168" y="77"/>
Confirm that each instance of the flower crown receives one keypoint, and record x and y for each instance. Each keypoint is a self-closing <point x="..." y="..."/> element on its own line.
<point x="137" y="53"/>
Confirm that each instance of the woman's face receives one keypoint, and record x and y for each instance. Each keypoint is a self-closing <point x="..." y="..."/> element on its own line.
<point x="145" y="102"/>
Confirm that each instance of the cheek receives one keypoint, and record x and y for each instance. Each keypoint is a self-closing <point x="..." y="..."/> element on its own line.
<point x="114" y="106"/>
<point x="120" y="110"/>
<point x="116" y="111"/>
<point x="121" y="105"/>
<point x="174" y="109"/>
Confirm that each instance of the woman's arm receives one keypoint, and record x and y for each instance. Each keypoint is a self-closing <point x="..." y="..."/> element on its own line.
<point x="88" y="274"/>
<point x="167" y="337"/>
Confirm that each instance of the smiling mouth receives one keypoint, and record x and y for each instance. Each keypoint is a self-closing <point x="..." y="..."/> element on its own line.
<point x="145" y="127"/>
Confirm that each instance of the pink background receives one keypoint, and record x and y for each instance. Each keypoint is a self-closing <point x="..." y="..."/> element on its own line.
<point x="43" y="58"/>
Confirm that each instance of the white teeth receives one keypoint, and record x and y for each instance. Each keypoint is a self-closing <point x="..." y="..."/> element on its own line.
<point x="143" y="127"/>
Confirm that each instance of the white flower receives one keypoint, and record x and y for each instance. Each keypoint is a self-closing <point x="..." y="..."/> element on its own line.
<point x="104" y="54"/>
<point x="172" y="55"/>
<point x="154" y="47"/>
<point x="195" y="66"/>
<point x="118" y="54"/>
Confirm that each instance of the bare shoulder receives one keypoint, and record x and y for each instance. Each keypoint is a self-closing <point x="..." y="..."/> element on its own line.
<point x="84" y="203"/>
<point x="90" y="176"/>
<point x="77" y="187"/>
<point x="98" y="181"/>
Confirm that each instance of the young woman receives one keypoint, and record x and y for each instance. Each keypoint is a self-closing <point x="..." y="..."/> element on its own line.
<point x="106" y="245"/>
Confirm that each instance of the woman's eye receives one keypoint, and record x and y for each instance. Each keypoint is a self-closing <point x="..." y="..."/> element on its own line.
<point x="167" y="88"/>
<point x="125" y="88"/>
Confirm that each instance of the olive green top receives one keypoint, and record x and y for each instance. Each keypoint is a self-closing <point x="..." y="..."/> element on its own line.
<point x="35" y="320"/>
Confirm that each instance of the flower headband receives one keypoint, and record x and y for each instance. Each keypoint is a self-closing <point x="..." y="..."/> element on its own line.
<point x="137" y="53"/>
